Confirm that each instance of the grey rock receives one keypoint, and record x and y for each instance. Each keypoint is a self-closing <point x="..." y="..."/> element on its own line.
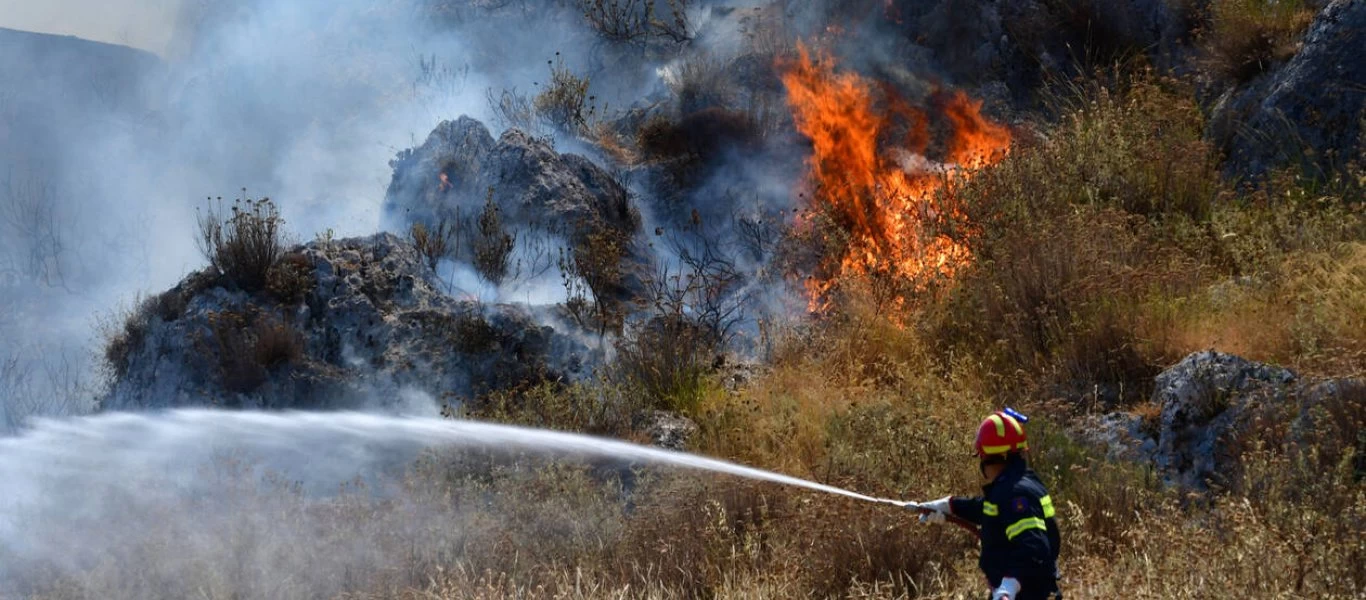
<point x="375" y="331"/>
<point x="1311" y="110"/>
<point x="1205" y="398"/>
<point x="1210" y="402"/>
<point x="532" y="184"/>
<point x="1017" y="41"/>
<point x="1121" y="436"/>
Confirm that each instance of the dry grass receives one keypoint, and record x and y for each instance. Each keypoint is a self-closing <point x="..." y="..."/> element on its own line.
<point x="1309" y="316"/>
<point x="1112" y="248"/>
<point x="1248" y="37"/>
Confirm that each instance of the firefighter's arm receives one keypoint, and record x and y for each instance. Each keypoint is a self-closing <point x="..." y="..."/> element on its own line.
<point x="969" y="509"/>
<point x="937" y="511"/>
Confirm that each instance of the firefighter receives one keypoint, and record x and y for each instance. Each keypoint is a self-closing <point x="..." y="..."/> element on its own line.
<point x="1020" y="538"/>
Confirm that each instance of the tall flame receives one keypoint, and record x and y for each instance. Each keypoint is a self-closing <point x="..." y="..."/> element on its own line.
<point x="887" y="201"/>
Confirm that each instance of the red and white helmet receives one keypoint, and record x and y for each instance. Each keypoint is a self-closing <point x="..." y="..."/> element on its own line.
<point x="1001" y="433"/>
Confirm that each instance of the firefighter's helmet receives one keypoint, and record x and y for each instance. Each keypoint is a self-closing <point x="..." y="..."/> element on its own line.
<point x="1002" y="432"/>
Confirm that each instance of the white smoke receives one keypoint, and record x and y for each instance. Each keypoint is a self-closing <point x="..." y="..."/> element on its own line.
<point x="303" y="101"/>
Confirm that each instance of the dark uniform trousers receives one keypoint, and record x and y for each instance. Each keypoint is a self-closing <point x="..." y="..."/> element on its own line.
<point x="1019" y="532"/>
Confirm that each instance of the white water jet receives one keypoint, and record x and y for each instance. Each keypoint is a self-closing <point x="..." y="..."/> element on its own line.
<point x="160" y="494"/>
<point x="330" y="445"/>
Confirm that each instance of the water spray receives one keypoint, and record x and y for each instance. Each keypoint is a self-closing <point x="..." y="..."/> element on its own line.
<point x="331" y="446"/>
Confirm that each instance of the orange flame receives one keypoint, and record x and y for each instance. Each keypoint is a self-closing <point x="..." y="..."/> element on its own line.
<point x="887" y="201"/>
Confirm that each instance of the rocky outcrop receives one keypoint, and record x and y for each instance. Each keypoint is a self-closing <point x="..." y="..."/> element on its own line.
<point x="1311" y="109"/>
<point x="367" y="325"/>
<point x="1207" y="398"/>
<point x="1017" y="41"/>
<point x="1214" y="405"/>
<point x="1120" y="436"/>
<point x="452" y="174"/>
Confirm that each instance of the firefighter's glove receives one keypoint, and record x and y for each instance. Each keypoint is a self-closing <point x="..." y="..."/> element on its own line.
<point x="1008" y="590"/>
<point x="933" y="511"/>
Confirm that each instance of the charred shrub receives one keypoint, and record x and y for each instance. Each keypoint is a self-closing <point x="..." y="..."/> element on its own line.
<point x="564" y="103"/>
<point x="248" y="346"/>
<point x="243" y="243"/>
<point x="291" y="279"/>
<point x="694" y="309"/>
<point x="277" y="343"/>
<point x="669" y="358"/>
<point x="686" y="146"/>
<point x="130" y="329"/>
<point x="699" y="135"/>
<point x="168" y="306"/>
<point x="469" y="332"/>
<point x="493" y="244"/>
<point x="433" y="243"/>
<point x="700" y="82"/>
<point x="122" y="340"/>
<point x="593" y="277"/>
<point x="638" y="21"/>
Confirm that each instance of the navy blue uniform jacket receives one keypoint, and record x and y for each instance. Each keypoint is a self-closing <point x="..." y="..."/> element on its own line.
<point x="1019" y="534"/>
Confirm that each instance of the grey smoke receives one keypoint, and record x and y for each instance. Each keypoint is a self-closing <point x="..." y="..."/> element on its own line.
<point x="304" y="101"/>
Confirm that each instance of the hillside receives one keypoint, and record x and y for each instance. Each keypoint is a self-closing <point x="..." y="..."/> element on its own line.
<point x="51" y="80"/>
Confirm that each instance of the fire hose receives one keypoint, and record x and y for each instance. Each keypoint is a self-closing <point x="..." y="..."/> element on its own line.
<point x="959" y="521"/>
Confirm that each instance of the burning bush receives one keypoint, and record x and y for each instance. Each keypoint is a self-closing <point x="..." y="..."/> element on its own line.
<point x="885" y="200"/>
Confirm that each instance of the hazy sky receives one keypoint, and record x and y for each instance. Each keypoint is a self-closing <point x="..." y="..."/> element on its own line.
<point x="145" y="24"/>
